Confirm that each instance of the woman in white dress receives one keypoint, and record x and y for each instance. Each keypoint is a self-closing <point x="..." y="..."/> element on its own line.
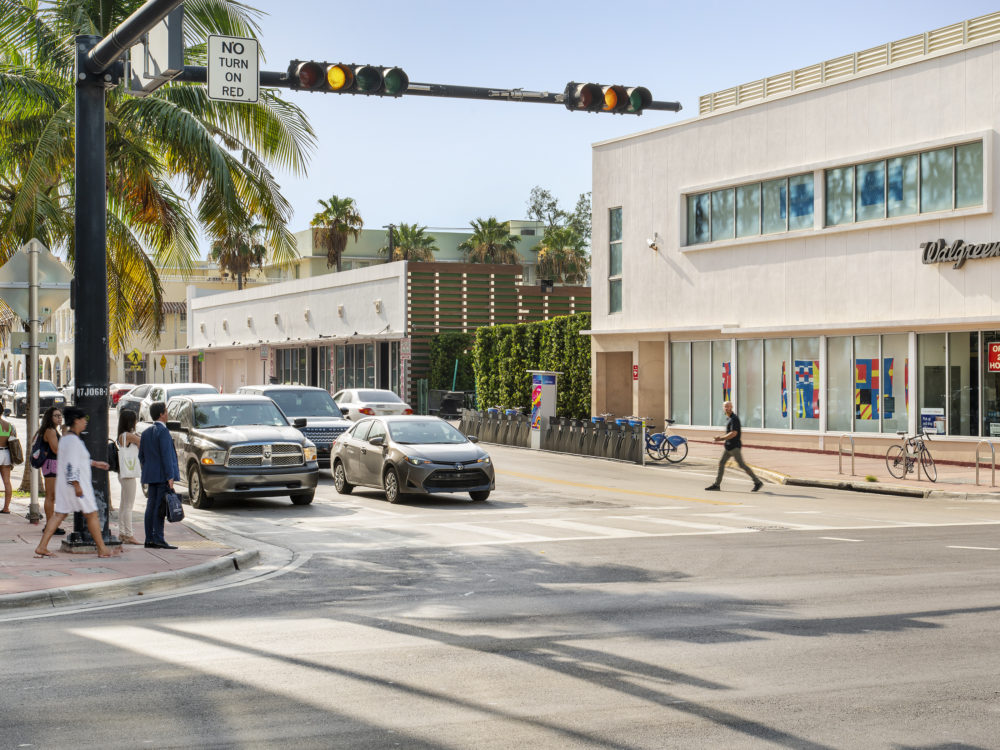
<point x="128" y="473"/>
<point x="74" y="487"/>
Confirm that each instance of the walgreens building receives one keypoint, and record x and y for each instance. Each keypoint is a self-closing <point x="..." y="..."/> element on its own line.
<point x="820" y="247"/>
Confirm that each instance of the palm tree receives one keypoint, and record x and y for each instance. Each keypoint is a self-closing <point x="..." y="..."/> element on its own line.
<point x="410" y="243"/>
<point x="240" y="250"/>
<point x="491" y="242"/>
<point x="563" y="256"/>
<point x="332" y="226"/>
<point x="178" y="164"/>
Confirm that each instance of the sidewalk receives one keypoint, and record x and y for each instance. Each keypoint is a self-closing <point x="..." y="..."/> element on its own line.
<point x="67" y="578"/>
<point x="804" y="468"/>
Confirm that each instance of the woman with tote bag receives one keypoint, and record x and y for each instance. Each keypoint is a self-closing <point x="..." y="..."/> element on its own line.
<point x="128" y="473"/>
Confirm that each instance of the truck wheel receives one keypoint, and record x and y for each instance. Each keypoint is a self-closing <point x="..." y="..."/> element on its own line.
<point x="303" y="498"/>
<point x="196" y="490"/>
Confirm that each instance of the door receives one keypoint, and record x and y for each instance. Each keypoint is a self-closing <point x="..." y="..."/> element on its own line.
<point x="235" y="375"/>
<point x="382" y="373"/>
<point x="372" y="455"/>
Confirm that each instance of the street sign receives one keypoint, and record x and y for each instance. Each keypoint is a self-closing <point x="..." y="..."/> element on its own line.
<point x="19" y="341"/>
<point x="265" y="351"/>
<point x="135" y="357"/>
<point x="159" y="55"/>
<point x="233" y="69"/>
<point x="53" y="282"/>
<point x="163" y="362"/>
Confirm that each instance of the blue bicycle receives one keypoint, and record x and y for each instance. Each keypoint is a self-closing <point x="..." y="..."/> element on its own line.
<point x="662" y="445"/>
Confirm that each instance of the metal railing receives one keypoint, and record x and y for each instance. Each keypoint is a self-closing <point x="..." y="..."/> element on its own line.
<point x="840" y="454"/>
<point x="993" y="461"/>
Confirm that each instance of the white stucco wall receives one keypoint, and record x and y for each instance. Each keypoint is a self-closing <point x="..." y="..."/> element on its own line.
<point x="860" y="275"/>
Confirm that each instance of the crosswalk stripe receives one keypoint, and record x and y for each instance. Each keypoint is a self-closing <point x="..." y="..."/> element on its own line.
<point x="686" y="524"/>
<point x="608" y="531"/>
<point x="498" y="533"/>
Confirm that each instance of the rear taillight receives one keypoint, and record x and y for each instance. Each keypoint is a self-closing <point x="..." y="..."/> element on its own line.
<point x="366" y="410"/>
<point x="407" y="411"/>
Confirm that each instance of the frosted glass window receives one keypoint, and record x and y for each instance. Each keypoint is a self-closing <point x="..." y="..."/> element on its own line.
<point x="748" y="210"/>
<point x="722" y="380"/>
<point x="936" y="180"/>
<point x="699" y="211"/>
<point x="839" y="196"/>
<point x="775" y="211"/>
<point x="615" y="259"/>
<point x="750" y="382"/>
<point x="839" y="385"/>
<point x="723" y="215"/>
<point x="969" y="176"/>
<point x="615" y="216"/>
<point x="615" y="295"/>
<point x="932" y="387"/>
<point x="871" y="191"/>
<point x="901" y="195"/>
<point x="778" y="380"/>
<point x="963" y="384"/>
<point x="805" y="361"/>
<point x="895" y="394"/>
<point x="701" y="382"/>
<point x="867" y="384"/>
<point x="680" y="382"/>
<point x="800" y="202"/>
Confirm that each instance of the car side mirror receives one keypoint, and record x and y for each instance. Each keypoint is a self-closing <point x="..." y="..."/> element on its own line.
<point x="174" y="426"/>
<point x="299" y="422"/>
<point x="377" y="440"/>
<point x="472" y="438"/>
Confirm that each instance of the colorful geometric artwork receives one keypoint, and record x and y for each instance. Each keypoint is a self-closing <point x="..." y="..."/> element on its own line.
<point x="536" y="406"/>
<point x="807" y="388"/>
<point x="784" y="391"/>
<point x="727" y="382"/>
<point x="869" y="383"/>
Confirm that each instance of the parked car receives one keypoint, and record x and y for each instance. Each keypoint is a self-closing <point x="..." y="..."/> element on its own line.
<point x="117" y="390"/>
<point x="358" y="403"/>
<point x="16" y="397"/>
<point x="68" y="391"/>
<point x="411" y="454"/>
<point x="166" y="391"/>
<point x="324" y="420"/>
<point x="233" y="446"/>
<point x="131" y="400"/>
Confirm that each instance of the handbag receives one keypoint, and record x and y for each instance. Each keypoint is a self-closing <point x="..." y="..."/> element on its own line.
<point x="175" y="511"/>
<point x="15" y="448"/>
<point x="128" y="462"/>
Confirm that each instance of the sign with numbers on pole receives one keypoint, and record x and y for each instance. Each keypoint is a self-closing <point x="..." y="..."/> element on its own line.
<point x="233" y="69"/>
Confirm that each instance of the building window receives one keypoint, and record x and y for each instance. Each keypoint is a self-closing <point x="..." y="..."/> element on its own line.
<point x="355" y="366"/>
<point x="781" y="205"/>
<point x="290" y="366"/>
<point x="938" y="180"/>
<point x="615" y="262"/>
<point x="182" y="369"/>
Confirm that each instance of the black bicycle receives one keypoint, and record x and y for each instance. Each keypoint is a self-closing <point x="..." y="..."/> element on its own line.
<point x="902" y="459"/>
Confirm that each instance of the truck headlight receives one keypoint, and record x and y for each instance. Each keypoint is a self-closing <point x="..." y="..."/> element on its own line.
<point x="309" y="453"/>
<point x="213" y="458"/>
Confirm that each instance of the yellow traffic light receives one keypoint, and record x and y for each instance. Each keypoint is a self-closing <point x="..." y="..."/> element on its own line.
<point x="339" y="77"/>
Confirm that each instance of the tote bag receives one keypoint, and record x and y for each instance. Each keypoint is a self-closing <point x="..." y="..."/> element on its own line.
<point x="128" y="461"/>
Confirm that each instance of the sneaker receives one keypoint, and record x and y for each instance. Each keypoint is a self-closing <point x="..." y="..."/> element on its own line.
<point x="756" y="486"/>
<point x="712" y="488"/>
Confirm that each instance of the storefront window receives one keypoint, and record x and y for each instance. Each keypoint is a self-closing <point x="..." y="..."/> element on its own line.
<point x="936" y="180"/>
<point x="701" y="382"/>
<point x="839" y="384"/>
<point x="991" y="384"/>
<point x="680" y="382"/>
<point x="963" y="384"/>
<point x="748" y="210"/>
<point x="901" y="196"/>
<point x="723" y="217"/>
<point x="750" y="383"/>
<point x="805" y="357"/>
<point x="290" y="366"/>
<point x="722" y="378"/>
<point x="341" y="380"/>
<point x="895" y="373"/>
<point x="778" y="381"/>
<point x="369" y="365"/>
<point x="323" y="367"/>
<point x="867" y="384"/>
<point x="931" y="382"/>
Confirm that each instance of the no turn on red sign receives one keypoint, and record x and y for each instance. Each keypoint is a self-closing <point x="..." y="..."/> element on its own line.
<point x="233" y="69"/>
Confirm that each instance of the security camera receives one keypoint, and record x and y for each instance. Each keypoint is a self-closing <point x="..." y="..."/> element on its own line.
<point x="651" y="241"/>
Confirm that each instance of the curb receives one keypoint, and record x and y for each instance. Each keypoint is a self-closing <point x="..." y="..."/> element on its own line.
<point x="125" y="587"/>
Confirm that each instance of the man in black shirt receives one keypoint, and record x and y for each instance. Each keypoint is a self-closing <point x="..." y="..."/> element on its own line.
<point x="733" y="449"/>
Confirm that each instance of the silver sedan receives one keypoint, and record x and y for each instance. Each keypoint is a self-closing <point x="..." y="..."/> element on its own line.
<point x="410" y="455"/>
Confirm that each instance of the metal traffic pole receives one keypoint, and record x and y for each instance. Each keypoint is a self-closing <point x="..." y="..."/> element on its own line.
<point x="32" y="423"/>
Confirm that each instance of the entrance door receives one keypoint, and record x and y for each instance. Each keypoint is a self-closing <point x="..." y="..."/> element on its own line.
<point x="312" y="378"/>
<point x="382" y="371"/>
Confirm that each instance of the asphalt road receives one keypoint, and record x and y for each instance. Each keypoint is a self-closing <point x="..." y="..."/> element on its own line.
<point x="587" y="604"/>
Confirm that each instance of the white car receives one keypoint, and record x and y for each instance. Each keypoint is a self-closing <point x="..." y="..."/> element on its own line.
<point x="166" y="391"/>
<point x="358" y="403"/>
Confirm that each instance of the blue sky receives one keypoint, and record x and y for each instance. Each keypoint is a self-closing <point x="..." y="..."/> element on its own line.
<point x="443" y="162"/>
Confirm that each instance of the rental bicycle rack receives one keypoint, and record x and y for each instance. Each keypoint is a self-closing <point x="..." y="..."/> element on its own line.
<point x="993" y="461"/>
<point x="840" y="454"/>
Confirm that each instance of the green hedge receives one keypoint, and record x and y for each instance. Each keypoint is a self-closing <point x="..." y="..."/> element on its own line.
<point x="502" y="355"/>
<point x="444" y="350"/>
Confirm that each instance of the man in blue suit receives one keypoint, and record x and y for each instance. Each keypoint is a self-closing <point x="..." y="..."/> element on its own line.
<point x="159" y="471"/>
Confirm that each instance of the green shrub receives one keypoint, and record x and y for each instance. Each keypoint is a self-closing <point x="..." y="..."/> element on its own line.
<point x="444" y="350"/>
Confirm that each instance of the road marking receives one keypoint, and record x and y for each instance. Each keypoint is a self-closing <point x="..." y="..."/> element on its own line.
<point x="605" y="488"/>
<point x="840" y="539"/>
<point x="498" y="533"/>
<point x="598" y="531"/>
<point x="988" y="549"/>
<point x="738" y="517"/>
<point x="682" y="524"/>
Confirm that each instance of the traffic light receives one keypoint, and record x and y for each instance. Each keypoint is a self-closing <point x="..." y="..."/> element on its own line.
<point x="344" y="78"/>
<point x="619" y="100"/>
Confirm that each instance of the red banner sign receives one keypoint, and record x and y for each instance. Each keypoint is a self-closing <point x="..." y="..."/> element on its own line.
<point x="994" y="357"/>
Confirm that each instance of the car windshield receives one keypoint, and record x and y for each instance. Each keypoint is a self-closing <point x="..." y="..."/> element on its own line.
<point x="187" y="390"/>
<point x="47" y="385"/>
<point x="385" y="397"/>
<point x="238" y="413"/>
<point x="424" y="432"/>
<point x="306" y="403"/>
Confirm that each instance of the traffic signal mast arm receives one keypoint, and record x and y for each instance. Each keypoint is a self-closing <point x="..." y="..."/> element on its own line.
<point x="368" y="80"/>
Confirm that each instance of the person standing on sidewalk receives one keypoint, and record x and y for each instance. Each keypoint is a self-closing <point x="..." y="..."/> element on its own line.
<point x="733" y="449"/>
<point x="6" y="432"/>
<point x="50" y="432"/>
<point x="159" y="471"/>
<point x="128" y="473"/>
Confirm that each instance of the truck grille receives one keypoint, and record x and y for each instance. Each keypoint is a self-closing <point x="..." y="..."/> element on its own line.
<point x="265" y="455"/>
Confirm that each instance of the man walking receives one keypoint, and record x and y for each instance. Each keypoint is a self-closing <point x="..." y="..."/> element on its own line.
<point x="158" y="460"/>
<point x="733" y="449"/>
